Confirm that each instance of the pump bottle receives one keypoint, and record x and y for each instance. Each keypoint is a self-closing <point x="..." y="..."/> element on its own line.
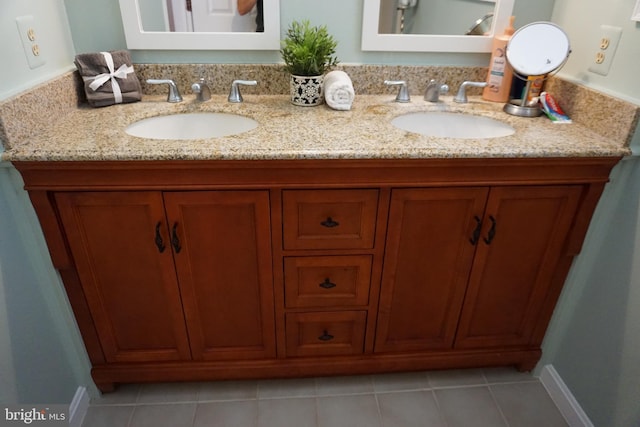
<point x="500" y="72"/>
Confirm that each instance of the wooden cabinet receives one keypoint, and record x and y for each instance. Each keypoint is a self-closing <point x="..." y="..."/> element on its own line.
<point x="426" y="266"/>
<point x="327" y="291"/>
<point x="188" y="270"/>
<point x="194" y="283"/>
<point x="119" y="242"/>
<point x="222" y="250"/>
<point x="470" y="267"/>
<point x="524" y="233"/>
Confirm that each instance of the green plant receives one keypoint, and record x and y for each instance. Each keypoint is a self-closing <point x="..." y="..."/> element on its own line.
<point x="307" y="50"/>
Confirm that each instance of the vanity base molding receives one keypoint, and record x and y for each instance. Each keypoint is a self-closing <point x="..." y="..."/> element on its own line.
<point x="238" y="269"/>
<point x="108" y="376"/>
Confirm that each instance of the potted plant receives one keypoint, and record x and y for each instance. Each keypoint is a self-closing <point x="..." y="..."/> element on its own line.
<point x="308" y="52"/>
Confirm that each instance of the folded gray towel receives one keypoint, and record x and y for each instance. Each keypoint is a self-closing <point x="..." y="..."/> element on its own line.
<point x="91" y="65"/>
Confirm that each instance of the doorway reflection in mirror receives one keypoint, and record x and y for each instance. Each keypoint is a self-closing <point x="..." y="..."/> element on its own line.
<point x="204" y="15"/>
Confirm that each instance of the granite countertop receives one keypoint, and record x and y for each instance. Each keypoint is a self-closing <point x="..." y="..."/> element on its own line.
<point x="286" y="131"/>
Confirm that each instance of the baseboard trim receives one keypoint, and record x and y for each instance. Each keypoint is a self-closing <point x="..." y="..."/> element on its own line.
<point x="78" y="407"/>
<point x="563" y="398"/>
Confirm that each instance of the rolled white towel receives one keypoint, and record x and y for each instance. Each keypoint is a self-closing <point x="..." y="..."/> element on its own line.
<point x="338" y="90"/>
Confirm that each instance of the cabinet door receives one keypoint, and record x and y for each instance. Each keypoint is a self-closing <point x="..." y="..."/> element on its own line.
<point x="427" y="260"/>
<point x="119" y="242"/>
<point x="524" y="232"/>
<point x="222" y="250"/>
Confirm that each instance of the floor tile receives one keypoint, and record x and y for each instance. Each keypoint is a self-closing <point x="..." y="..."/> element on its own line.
<point x="469" y="406"/>
<point x="456" y="378"/>
<point x="409" y="409"/>
<point x="237" y="413"/>
<point x="273" y="389"/>
<point x="290" y="412"/>
<point x="227" y="390"/>
<point x="527" y="405"/>
<point x="166" y="415"/>
<point x="342" y="385"/>
<point x="124" y="394"/>
<point x="506" y="375"/>
<point x="401" y="381"/>
<point x="168" y="393"/>
<point x="108" y="416"/>
<point x="358" y="410"/>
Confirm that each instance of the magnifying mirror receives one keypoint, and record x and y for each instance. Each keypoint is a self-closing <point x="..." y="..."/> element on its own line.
<point x="536" y="49"/>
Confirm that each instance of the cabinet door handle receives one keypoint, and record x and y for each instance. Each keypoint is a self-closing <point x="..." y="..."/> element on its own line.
<point x="175" y="241"/>
<point x="329" y="223"/>
<point x="325" y="336"/>
<point x="327" y="284"/>
<point x="159" y="242"/>
<point x="476" y="233"/>
<point x="492" y="231"/>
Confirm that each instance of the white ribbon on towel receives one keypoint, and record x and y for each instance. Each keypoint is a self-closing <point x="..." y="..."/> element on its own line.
<point x="120" y="73"/>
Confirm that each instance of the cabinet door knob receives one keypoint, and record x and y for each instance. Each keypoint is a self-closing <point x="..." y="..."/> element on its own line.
<point x="476" y="233"/>
<point x="159" y="242"/>
<point x="327" y="284"/>
<point x="492" y="231"/>
<point x="325" y="336"/>
<point x="329" y="223"/>
<point x="175" y="241"/>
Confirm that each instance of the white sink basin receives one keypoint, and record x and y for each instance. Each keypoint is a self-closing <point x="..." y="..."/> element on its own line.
<point x="452" y="125"/>
<point x="191" y="126"/>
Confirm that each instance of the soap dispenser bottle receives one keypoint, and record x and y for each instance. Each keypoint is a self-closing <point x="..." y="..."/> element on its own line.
<point x="500" y="72"/>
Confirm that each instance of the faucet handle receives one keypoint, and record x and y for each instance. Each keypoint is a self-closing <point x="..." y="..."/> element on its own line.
<point x="403" y="92"/>
<point x="174" y="93"/>
<point x="461" y="97"/>
<point x="234" y="94"/>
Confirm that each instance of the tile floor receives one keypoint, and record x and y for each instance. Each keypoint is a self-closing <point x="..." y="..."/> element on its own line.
<point x="497" y="397"/>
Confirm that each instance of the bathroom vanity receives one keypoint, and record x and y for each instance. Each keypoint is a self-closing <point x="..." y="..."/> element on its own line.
<point x="279" y="252"/>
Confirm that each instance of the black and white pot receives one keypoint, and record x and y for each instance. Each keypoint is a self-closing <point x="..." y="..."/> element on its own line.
<point x="306" y="91"/>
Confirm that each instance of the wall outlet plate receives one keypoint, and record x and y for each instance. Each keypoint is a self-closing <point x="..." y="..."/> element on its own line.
<point x="29" y="38"/>
<point x="607" y="43"/>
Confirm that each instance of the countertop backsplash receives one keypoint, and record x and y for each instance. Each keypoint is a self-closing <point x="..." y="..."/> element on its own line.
<point x="27" y="114"/>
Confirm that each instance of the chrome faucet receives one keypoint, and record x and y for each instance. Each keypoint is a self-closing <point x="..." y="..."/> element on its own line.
<point x="202" y="91"/>
<point x="174" y="93"/>
<point x="461" y="97"/>
<point x="434" y="90"/>
<point x="234" y="94"/>
<point x="403" y="92"/>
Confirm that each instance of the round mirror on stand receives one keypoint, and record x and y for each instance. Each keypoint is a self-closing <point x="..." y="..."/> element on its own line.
<point x="536" y="49"/>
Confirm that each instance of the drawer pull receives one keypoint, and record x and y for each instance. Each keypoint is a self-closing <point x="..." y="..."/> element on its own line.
<point x="329" y="223"/>
<point x="175" y="241"/>
<point x="327" y="284"/>
<point x="492" y="231"/>
<point x="159" y="242"/>
<point x="476" y="233"/>
<point x="325" y="336"/>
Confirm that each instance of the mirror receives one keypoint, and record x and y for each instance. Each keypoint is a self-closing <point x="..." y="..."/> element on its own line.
<point x="423" y="26"/>
<point x="155" y="24"/>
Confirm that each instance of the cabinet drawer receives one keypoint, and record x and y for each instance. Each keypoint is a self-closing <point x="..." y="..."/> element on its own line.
<point x="329" y="219"/>
<point x="325" y="281"/>
<point x="325" y="333"/>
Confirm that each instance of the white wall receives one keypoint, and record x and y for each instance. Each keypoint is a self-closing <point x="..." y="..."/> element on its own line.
<point x="42" y="359"/>
<point x="594" y="337"/>
<point x="53" y="36"/>
<point x="581" y="20"/>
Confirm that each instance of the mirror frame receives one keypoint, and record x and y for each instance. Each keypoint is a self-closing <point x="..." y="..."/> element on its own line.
<point x="373" y="41"/>
<point x="137" y="38"/>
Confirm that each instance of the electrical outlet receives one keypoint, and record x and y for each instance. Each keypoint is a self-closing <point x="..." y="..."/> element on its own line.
<point x="607" y="45"/>
<point x="28" y="36"/>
